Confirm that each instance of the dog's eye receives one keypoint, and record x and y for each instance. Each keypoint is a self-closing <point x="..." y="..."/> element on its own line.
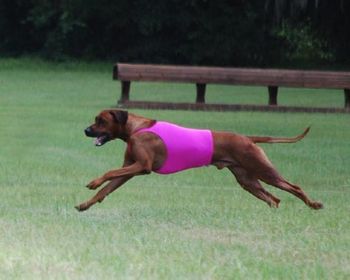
<point x="100" y="121"/>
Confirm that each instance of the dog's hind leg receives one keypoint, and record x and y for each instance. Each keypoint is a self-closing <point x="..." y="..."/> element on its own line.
<point x="253" y="186"/>
<point x="266" y="172"/>
<point x="100" y="196"/>
<point x="258" y="164"/>
<point x="274" y="179"/>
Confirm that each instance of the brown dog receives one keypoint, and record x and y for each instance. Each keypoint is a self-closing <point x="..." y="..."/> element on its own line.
<point x="146" y="152"/>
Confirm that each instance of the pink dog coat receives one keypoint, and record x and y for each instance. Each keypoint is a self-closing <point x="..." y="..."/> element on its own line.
<point x="186" y="147"/>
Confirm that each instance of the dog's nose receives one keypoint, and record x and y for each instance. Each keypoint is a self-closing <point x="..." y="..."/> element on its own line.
<point x="87" y="131"/>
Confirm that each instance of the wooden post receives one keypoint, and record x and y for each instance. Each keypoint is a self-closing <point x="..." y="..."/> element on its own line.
<point x="347" y="98"/>
<point x="125" y="91"/>
<point x="200" y="93"/>
<point x="273" y="90"/>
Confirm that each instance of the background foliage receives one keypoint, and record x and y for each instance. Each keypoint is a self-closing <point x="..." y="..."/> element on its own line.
<point x="303" y="33"/>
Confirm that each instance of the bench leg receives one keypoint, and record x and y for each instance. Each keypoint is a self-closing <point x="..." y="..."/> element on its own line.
<point x="125" y="91"/>
<point x="347" y="98"/>
<point x="200" y="93"/>
<point x="273" y="90"/>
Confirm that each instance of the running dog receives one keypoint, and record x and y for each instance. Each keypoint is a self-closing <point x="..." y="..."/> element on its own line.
<point x="165" y="148"/>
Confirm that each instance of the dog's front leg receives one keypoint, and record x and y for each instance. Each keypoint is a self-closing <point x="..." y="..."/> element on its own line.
<point x="131" y="170"/>
<point x="100" y="196"/>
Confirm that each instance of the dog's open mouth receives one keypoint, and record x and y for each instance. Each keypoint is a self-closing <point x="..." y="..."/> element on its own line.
<point x="99" y="141"/>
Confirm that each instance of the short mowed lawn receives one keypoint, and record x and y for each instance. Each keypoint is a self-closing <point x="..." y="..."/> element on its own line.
<point x="198" y="224"/>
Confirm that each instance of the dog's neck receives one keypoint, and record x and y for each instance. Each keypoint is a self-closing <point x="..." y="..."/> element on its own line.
<point x="134" y="124"/>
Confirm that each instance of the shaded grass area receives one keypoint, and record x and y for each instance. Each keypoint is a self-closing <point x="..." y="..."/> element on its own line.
<point x="225" y="94"/>
<point x="192" y="225"/>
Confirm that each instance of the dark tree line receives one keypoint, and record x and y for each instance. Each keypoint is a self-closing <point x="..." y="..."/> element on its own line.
<point x="303" y="33"/>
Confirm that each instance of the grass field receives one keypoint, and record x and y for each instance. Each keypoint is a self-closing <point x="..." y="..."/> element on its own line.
<point x="198" y="224"/>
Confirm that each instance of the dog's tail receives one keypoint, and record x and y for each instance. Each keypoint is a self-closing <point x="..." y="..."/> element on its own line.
<point x="263" y="139"/>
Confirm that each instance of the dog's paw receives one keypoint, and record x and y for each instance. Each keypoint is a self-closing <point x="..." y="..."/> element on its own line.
<point x="81" y="207"/>
<point x="316" y="205"/>
<point x="93" y="185"/>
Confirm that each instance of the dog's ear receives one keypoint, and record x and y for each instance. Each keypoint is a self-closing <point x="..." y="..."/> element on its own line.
<point x="120" y="117"/>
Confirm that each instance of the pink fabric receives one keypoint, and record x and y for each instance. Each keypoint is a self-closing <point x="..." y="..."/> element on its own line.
<point x="186" y="147"/>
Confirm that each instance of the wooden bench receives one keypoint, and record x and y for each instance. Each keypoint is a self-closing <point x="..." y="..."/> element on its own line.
<point x="201" y="76"/>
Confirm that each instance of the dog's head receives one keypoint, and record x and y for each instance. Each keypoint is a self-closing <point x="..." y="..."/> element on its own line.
<point x="109" y="125"/>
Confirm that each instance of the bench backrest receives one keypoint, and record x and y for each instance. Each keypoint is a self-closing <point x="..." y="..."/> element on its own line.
<point x="232" y="76"/>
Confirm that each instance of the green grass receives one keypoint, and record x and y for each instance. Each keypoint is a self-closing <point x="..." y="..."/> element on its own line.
<point x="197" y="224"/>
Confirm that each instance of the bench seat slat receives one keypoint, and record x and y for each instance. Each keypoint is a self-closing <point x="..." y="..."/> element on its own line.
<point x="232" y="76"/>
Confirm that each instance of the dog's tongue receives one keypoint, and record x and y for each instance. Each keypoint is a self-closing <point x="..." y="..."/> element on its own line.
<point x="97" y="141"/>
